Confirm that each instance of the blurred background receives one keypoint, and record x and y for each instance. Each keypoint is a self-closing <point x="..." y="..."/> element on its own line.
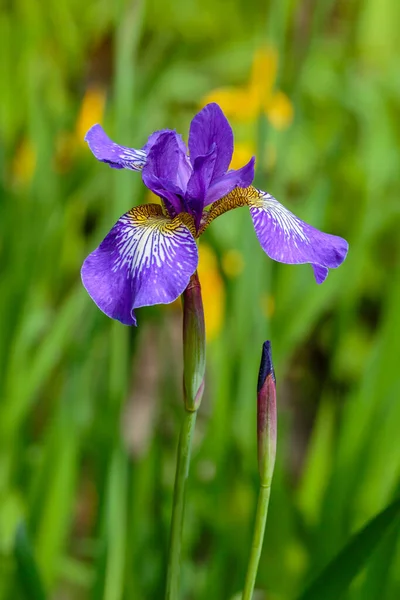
<point x="90" y="410"/>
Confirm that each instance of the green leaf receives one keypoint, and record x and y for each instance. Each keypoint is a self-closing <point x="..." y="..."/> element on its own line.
<point x="29" y="576"/>
<point x="338" y="574"/>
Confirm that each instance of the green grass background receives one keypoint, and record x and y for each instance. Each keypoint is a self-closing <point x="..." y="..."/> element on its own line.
<point x="90" y="410"/>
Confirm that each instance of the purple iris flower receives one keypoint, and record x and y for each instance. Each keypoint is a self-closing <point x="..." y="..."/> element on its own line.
<point x="150" y="254"/>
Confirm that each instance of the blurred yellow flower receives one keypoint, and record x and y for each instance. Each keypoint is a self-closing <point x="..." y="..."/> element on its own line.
<point x="267" y="303"/>
<point x="248" y="102"/>
<point x="66" y="145"/>
<point x="68" y="142"/>
<point x="213" y="291"/>
<point x="24" y="163"/>
<point x="91" y="110"/>
<point x="232" y="263"/>
<point x="242" y="153"/>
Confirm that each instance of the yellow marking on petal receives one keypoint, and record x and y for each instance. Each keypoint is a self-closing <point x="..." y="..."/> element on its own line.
<point x="186" y="220"/>
<point x="152" y="215"/>
<point x="279" y="111"/>
<point x="249" y="196"/>
<point x="213" y="291"/>
<point x="91" y="110"/>
<point x="232" y="263"/>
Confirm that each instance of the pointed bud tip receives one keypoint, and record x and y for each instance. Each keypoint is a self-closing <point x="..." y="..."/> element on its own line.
<point x="266" y="366"/>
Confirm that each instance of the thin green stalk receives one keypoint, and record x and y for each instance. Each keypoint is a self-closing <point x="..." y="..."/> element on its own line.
<point x="178" y="507"/>
<point x="258" y="536"/>
<point x="194" y="364"/>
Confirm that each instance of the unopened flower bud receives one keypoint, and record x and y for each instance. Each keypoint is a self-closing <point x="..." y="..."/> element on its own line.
<point x="194" y="344"/>
<point x="266" y="416"/>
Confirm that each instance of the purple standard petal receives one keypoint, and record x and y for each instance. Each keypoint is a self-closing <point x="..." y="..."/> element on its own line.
<point x="118" y="157"/>
<point x="236" y="178"/>
<point x="208" y="127"/>
<point x="203" y="169"/>
<point x="146" y="259"/>
<point x="285" y="238"/>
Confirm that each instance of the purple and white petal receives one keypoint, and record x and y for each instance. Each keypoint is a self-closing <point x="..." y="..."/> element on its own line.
<point x="288" y="239"/>
<point x="242" y="178"/>
<point x="145" y="259"/>
<point x="118" y="157"/>
<point x="208" y="127"/>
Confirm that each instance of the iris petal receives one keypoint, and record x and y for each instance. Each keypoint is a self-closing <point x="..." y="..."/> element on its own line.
<point x="226" y="183"/>
<point x="288" y="239"/>
<point x="203" y="170"/>
<point x="209" y="127"/>
<point x="167" y="160"/>
<point x="166" y="190"/>
<point x="118" y="157"/>
<point x="145" y="259"/>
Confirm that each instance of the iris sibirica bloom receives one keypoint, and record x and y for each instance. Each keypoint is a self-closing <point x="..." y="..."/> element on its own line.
<point x="151" y="252"/>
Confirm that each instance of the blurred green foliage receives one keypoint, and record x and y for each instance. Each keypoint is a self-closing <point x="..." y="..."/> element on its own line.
<point x="90" y="410"/>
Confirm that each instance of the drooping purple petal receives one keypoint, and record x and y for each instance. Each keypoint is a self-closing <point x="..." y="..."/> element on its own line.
<point x="145" y="259"/>
<point x="320" y="273"/>
<point x="288" y="239"/>
<point x="165" y="189"/>
<point x="209" y="127"/>
<point x="118" y="157"/>
<point x="242" y="178"/>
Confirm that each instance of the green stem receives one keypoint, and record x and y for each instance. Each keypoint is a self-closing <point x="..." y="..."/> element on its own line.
<point x="258" y="537"/>
<point x="194" y="363"/>
<point x="178" y="507"/>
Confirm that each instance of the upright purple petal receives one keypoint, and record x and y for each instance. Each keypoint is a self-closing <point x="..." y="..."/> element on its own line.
<point x="203" y="169"/>
<point x="209" y="127"/>
<point x="118" y="157"/>
<point x="146" y="259"/>
<point x="242" y="178"/>
<point x="287" y="239"/>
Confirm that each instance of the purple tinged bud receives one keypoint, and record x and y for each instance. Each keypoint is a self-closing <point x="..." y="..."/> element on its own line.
<point x="266" y="366"/>
<point x="266" y="416"/>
